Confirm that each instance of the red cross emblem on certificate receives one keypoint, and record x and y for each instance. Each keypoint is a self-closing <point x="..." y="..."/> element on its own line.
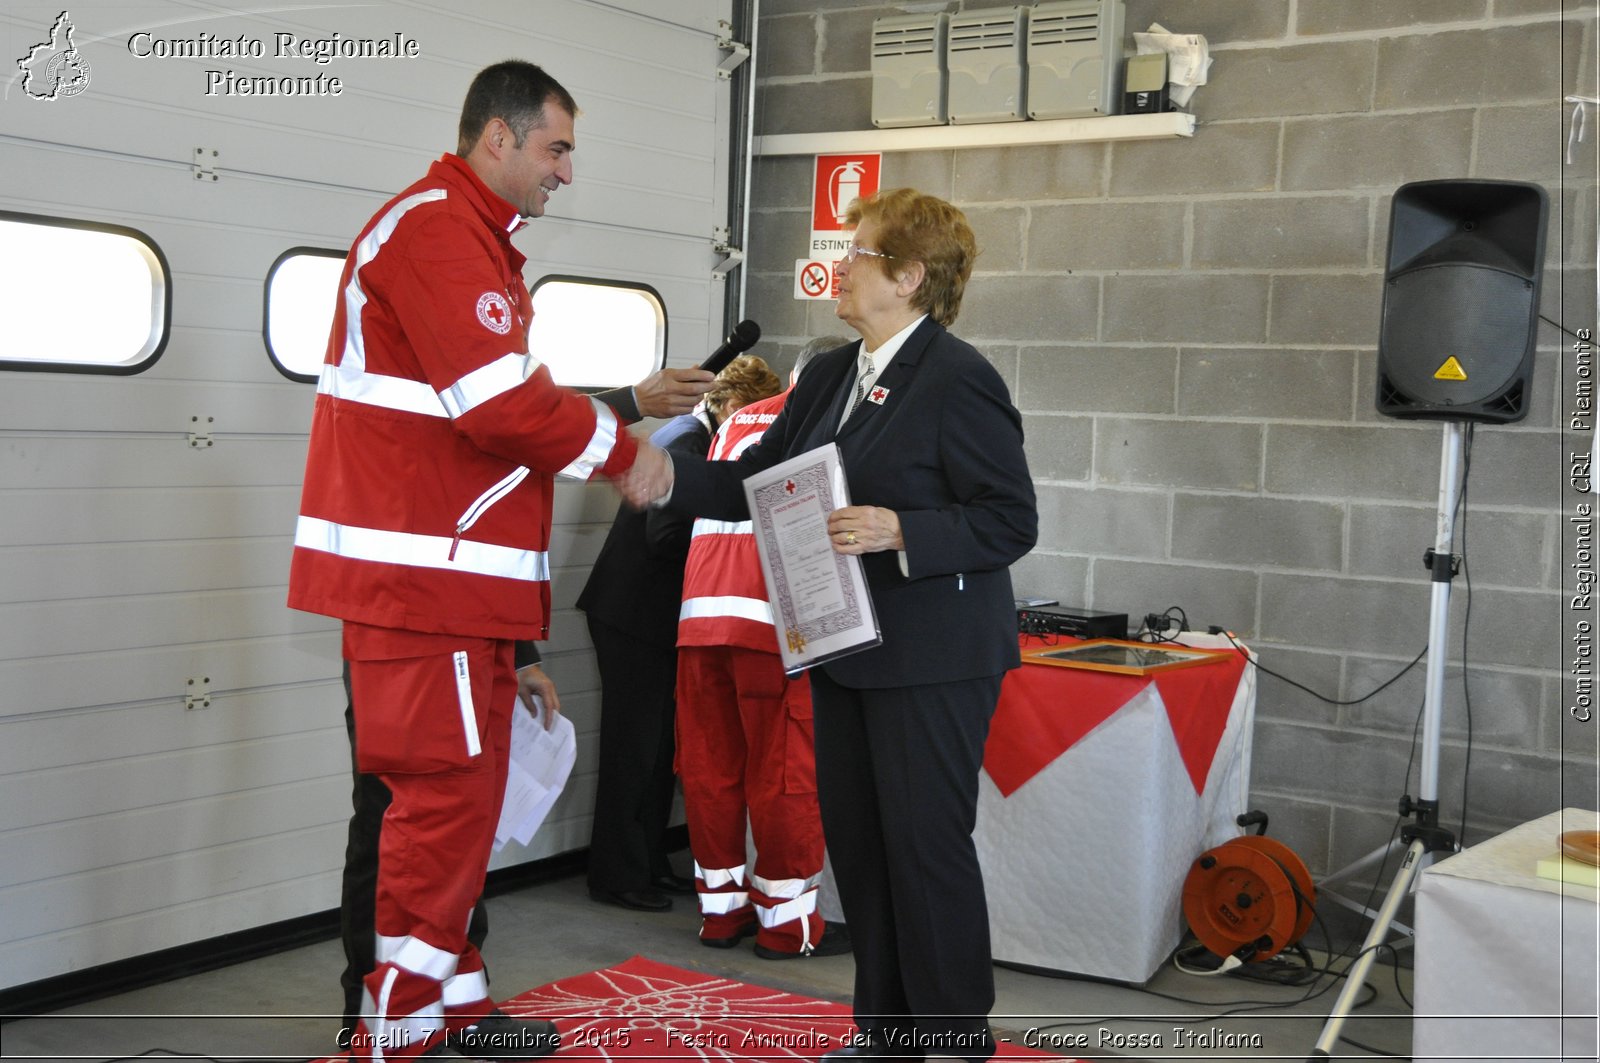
<point x="877" y="395"/>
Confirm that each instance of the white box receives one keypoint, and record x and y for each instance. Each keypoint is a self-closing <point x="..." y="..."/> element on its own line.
<point x="985" y="57"/>
<point x="908" y="70"/>
<point x="1075" y="59"/>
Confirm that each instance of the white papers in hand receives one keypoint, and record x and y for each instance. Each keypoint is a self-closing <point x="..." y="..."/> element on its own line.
<point x="541" y="761"/>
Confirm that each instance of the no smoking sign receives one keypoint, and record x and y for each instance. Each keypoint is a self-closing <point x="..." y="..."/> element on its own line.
<point x="814" y="279"/>
<point x="836" y="182"/>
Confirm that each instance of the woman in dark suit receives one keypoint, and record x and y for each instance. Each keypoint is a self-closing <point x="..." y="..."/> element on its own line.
<point x="943" y="504"/>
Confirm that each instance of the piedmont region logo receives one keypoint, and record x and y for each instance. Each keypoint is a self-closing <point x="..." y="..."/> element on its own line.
<point x="494" y="312"/>
<point x="55" y="68"/>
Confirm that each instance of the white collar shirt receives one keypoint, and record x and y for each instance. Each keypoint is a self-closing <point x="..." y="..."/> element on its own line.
<point x="872" y="364"/>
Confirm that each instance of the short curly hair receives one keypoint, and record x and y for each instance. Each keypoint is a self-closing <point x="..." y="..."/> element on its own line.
<point x="917" y="227"/>
<point x="744" y="380"/>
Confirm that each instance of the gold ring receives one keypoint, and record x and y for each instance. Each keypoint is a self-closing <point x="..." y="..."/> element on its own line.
<point x="850" y="538"/>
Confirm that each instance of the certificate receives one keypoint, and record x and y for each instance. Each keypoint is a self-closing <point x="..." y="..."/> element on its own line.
<point x="819" y="598"/>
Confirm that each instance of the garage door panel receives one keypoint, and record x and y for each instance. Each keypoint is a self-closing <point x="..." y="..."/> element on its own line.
<point x="137" y="561"/>
<point x="380" y="130"/>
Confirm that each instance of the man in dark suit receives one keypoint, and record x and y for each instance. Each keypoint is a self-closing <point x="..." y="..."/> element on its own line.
<point x="631" y="601"/>
<point x="942" y="504"/>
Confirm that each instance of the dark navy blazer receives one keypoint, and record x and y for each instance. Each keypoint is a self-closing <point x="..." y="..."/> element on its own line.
<point x="636" y="584"/>
<point x="944" y="451"/>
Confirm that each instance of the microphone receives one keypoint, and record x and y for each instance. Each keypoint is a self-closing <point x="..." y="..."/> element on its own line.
<point x="741" y="339"/>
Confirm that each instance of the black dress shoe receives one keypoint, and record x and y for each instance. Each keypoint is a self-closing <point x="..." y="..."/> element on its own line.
<point x="638" y="900"/>
<point x="502" y="1039"/>
<point x="671" y="883"/>
<point x="835" y="941"/>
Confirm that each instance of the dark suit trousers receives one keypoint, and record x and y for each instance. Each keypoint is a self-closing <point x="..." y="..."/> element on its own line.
<point x="633" y="799"/>
<point x="358" y="890"/>
<point x="897" y="778"/>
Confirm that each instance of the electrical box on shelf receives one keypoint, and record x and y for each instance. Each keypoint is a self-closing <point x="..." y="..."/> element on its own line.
<point x="1075" y="59"/>
<point x="908" y="70"/>
<point x="988" y="75"/>
<point x="1144" y="90"/>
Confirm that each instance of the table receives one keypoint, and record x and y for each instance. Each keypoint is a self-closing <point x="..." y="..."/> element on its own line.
<point x="1098" y="792"/>
<point x="1506" y="960"/>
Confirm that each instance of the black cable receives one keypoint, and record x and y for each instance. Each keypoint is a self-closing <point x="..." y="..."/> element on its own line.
<point x="1398" y="988"/>
<point x="1322" y="697"/>
<point x="1278" y="971"/>
<point x="1560" y="326"/>
<point x="1159" y="636"/>
<point x="1395" y="969"/>
<point x="1182" y="617"/>
<point x="1416" y="741"/>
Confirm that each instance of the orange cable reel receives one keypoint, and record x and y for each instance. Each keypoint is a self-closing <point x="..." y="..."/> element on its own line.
<point x="1249" y="898"/>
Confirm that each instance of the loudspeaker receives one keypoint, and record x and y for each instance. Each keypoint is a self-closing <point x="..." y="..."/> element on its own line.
<point x="1461" y="300"/>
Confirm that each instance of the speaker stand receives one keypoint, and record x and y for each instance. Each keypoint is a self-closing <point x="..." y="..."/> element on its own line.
<point x="1377" y="858"/>
<point x="1424" y="836"/>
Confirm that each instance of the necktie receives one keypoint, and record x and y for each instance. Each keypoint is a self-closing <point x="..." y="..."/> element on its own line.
<point x="863" y="383"/>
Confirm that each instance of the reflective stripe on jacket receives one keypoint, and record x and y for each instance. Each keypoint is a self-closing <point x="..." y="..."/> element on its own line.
<point x="724" y="595"/>
<point x="436" y="436"/>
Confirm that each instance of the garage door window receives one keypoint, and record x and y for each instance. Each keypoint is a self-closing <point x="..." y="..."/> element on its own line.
<point x="80" y="297"/>
<point x="302" y="291"/>
<point x="597" y="333"/>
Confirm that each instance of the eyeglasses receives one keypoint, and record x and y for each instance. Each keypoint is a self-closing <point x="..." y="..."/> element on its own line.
<point x="854" y="250"/>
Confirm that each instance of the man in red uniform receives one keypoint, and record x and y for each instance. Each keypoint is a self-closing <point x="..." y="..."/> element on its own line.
<point x="424" y="526"/>
<point x="744" y="736"/>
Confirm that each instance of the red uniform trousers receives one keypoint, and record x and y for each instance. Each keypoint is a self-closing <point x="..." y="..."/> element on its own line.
<point x="744" y="744"/>
<point x="436" y="728"/>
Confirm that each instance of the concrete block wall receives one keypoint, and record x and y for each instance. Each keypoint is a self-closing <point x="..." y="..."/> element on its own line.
<point x="1189" y="328"/>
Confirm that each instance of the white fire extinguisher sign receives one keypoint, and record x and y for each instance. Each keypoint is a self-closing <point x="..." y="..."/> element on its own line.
<point x="837" y="181"/>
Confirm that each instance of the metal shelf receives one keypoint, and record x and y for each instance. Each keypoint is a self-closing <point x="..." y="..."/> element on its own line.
<point x="987" y="135"/>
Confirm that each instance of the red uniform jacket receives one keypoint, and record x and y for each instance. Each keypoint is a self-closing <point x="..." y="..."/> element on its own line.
<point x="724" y="594"/>
<point x="436" y="435"/>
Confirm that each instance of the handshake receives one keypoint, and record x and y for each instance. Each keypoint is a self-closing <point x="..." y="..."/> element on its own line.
<point x="664" y="393"/>
<point x="648" y="479"/>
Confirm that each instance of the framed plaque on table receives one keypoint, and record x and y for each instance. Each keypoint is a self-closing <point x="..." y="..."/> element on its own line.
<point x="1121" y="657"/>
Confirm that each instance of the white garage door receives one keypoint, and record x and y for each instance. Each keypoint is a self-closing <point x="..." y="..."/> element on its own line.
<point x="172" y="758"/>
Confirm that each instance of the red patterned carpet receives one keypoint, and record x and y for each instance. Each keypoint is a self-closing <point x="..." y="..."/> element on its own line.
<point x="641" y="1009"/>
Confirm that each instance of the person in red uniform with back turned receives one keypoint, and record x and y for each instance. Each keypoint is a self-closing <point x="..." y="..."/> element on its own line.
<point x="744" y="736"/>
<point x="424" y="526"/>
